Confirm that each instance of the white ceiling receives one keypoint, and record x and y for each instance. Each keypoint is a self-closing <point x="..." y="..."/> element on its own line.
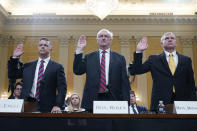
<point x="78" y="7"/>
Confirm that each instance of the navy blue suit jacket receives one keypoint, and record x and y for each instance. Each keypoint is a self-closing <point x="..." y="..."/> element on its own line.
<point x="163" y="80"/>
<point x="141" y="109"/>
<point x="53" y="79"/>
<point x="118" y="80"/>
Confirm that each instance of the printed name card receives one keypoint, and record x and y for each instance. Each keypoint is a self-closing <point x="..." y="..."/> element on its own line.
<point x="110" y="107"/>
<point x="185" y="107"/>
<point x="12" y="105"/>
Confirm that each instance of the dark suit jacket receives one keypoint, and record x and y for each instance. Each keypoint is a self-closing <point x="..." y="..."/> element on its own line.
<point x="11" y="97"/>
<point x="54" y="78"/>
<point x="141" y="109"/>
<point x="163" y="80"/>
<point x="118" y="81"/>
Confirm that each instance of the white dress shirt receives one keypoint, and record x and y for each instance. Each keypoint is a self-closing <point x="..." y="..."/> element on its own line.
<point x="33" y="90"/>
<point x="131" y="110"/>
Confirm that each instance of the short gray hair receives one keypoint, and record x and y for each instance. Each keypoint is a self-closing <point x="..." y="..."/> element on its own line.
<point x="165" y="34"/>
<point x="45" y="39"/>
<point x="109" y="32"/>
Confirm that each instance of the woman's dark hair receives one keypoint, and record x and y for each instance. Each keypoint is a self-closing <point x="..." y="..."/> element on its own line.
<point x="18" y="83"/>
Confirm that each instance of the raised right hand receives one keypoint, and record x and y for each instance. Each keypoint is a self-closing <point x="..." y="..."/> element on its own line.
<point x="81" y="43"/>
<point x="142" y="45"/>
<point x="18" y="51"/>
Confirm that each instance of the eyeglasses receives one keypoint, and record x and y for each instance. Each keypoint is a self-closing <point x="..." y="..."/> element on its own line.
<point x="18" y="89"/>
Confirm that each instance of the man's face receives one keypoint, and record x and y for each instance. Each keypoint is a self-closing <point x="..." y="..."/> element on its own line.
<point x="44" y="48"/>
<point x="17" y="90"/>
<point x="169" y="43"/>
<point x="132" y="99"/>
<point x="104" y="40"/>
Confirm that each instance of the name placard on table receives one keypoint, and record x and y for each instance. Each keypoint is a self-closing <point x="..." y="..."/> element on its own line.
<point x="110" y="107"/>
<point x="185" y="107"/>
<point x="12" y="105"/>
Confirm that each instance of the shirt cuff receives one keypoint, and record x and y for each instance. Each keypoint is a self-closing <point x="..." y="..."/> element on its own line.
<point x="15" y="57"/>
<point x="138" y="51"/>
<point x="78" y="52"/>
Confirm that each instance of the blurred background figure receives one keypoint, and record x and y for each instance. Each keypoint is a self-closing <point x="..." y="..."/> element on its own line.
<point x="134" y="108"/>
<point x="75" y="104"/>
<point x="17" y="91"/>
<point x="66" y="102"/>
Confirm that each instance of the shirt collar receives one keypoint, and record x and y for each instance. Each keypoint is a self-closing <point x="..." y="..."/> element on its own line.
<point x="168" y="53"/>
<point x="107" y="51"/>
<point x="134" y="105"/>
<point x="45" y="60"/>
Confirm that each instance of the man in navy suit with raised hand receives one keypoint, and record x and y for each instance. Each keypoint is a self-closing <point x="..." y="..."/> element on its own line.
<point x="106" y="75"/>
<point x="41" y="78"/>
<point x="172" y="73"/>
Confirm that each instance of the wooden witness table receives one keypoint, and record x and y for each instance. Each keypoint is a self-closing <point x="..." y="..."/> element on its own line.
<point x="97" y="122"/>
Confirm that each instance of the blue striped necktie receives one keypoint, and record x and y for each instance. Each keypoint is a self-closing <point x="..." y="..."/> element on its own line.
<point x="102" y="86"/>
<point x="40" y="76"/>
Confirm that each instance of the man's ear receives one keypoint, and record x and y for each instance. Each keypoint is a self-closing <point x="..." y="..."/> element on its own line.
<point x="161" y="44"/>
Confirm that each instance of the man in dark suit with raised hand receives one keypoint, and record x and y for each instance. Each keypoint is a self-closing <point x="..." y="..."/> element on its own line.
<point x="172" y="73"/>
<point x="106" y="76"/>
<point x="41" y="78"/>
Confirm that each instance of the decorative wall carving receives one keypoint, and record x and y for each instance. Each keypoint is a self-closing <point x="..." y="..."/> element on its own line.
<point x="89" y="19"/>
<point x="4" y="39"/>
<point x="64" y="40"/>
<point x="186" y="42"/>
<point x="124" y="41"/>
<point x="19" y="39"/>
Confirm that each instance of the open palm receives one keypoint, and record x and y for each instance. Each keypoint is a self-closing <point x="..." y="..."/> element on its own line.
<point x="18" y="51"/>
<point x="81" y="42"/>
<point x="142" y="45"/>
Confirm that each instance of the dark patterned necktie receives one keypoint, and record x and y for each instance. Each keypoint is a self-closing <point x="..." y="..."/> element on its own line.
<point x="134" y="111"/>
<point x="40" y="76"/>
<point x="102" y="86"/>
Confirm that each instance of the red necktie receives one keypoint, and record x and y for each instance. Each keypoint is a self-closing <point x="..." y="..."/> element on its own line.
<point x="40" y="76"/>
<point x="102" y="86"/>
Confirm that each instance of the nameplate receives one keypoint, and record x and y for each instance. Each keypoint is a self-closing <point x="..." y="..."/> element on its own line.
<point x="12" y="105"/>
<point x="110" y="107"/>
<point x="185" y="107"/>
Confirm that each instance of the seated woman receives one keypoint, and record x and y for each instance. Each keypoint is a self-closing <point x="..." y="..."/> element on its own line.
<point x="75" y="105"/>
<point x="17" y="91"/>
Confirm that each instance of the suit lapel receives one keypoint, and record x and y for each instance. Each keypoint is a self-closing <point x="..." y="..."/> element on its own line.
<point x="110" y="64"/>
<point x="31" y="74"/>
<point x="49" y="66"/>
<point x="33" y="69"/>
<point x="164" y="61"/>
<point x="178" y="68"/>
<point x="97" y="63"/>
